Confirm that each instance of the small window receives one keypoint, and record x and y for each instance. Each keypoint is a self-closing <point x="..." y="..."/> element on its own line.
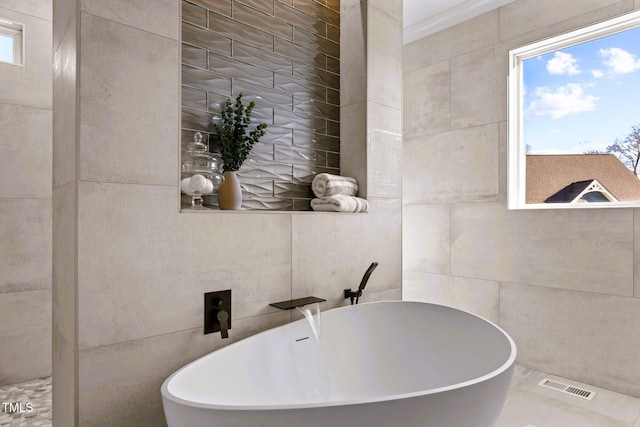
<point x="11" y="42"/>
<point x="594" y="197"/>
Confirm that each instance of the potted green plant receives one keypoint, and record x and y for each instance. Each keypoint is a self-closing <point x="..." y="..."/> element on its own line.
<point x="236" y="141"/>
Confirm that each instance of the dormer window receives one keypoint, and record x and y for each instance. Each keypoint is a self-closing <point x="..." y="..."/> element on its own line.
<point x="589" y="191"/>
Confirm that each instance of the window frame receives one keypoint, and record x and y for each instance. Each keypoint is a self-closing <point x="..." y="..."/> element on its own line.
<point x="15" y="31"/>
<point x="516" y="151"/>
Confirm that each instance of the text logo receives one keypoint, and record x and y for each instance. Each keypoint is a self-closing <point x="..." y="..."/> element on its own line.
<point x="17" y="407"/>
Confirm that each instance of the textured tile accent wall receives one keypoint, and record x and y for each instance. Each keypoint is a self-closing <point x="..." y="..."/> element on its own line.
<point x="284" y="55"/>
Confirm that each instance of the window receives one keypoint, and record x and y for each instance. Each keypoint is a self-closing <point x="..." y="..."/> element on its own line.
<point x="11" y="42"/>
<point x="574" y="119"/>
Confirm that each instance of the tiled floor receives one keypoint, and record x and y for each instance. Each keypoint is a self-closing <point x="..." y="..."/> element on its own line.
<point x="26" y="404"/>
<point x="528" y="405"/>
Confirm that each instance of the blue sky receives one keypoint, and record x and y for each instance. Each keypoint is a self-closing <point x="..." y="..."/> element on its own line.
<point x="6" y="49"/>
<point x="583" y="97"/>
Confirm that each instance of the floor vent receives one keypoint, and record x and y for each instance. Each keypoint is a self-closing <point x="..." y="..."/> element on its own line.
<point x="566" y="388"/>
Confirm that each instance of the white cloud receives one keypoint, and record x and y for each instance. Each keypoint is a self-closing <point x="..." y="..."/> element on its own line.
<point x="598" y="74"/>
<point x="619" y="60"/>
<point x="561" y="101"/>
<point x="563" y="63"/>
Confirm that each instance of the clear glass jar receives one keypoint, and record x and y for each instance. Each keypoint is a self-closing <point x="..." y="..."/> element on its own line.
<point x="200" y="174"/>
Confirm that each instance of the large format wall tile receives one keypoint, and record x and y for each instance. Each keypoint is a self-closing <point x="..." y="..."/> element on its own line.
<point x="425" y="238"/>
<point x="25" y="197"/>
<point x="124" y="137"/>
<point x="529" y="15"/>
<point x="353" y="156"/>
<point x="383" y="62"/>
<point x="384" y="151"/>
<point x="64" y="373"/>
<point x="26" y="336"/>
<point x="460" y="165"/>
<point x="64" y="319"/>
<point x="463" y="38"/>
<point x="584" y="258"/>
<point x="478" y="93"/>
<point x="64" y="18"/>
<point x="590" y="337"/>
<point x="65" y="103"/>
<point x="25" y="152"/>
<point x="25" y="244"/>
<point x="480" y="297"/>
<point x="426" y="95"/>
<point x="581" y="18"/>
<point x="353" y="86"/>
<point x="588" y="250"/>
<point x="154" y="16"/>
<point x="128" y="292"/>
<point x="64" y="260"/>
<point x="128" y="376"/>
<point x="64" y="216"/>
<point x="40" y="8"/>
<point x="331" y="252"/>
<point x="142" y="267"/>
<point x="391" y="8"/>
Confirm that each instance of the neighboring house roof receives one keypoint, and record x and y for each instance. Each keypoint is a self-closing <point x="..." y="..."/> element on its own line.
<point x="583" y="191"/>
<point x="548" y="175"/>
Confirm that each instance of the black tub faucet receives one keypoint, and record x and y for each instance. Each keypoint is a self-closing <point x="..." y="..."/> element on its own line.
<point x="355" y="295"/>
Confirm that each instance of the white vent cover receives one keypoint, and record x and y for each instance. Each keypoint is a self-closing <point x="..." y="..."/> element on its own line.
<point x="566" y="388"/>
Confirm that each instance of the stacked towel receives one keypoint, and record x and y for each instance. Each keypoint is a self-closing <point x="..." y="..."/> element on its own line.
<point x="325" y="185"/>
<point x="336" y="194"/>
<point x="340" y="203"/>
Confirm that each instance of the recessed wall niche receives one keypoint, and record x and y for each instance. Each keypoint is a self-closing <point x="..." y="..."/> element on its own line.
<point x="284" y="56"/>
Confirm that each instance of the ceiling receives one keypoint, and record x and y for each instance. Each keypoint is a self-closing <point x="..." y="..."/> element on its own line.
<point x="424" y="17"/>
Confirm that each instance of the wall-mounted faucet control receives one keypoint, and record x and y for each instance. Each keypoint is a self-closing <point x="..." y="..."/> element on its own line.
<point x="217" y="312"/>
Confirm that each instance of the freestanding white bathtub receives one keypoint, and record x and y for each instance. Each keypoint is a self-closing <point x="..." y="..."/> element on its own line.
<point x="380" y="364"/>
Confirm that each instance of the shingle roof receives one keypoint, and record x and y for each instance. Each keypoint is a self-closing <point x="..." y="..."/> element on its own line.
<point x="548" y="174"/>
<point x="590" y="190"/>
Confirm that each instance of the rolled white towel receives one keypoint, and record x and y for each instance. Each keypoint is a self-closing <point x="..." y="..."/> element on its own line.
<point x="340" y="203"/>
<point x="325" y="185"/>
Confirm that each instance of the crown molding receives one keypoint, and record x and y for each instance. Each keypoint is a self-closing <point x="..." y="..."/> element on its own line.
<point x="450" y="17"/>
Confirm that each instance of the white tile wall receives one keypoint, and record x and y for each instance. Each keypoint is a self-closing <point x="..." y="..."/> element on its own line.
<point x="25" y="198"/>
<point x="143" y="266"/>
<point x="589" y="337"/>
<point x="123" y="69"/>
<point x="564" y="281"/>
<point x="25" y="152"/>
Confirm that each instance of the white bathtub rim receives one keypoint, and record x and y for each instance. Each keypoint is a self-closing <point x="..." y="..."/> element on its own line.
<point x="504" y="367"/>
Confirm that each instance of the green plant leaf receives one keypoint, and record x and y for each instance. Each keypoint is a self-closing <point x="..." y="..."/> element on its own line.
<point x="236" y="141"/>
